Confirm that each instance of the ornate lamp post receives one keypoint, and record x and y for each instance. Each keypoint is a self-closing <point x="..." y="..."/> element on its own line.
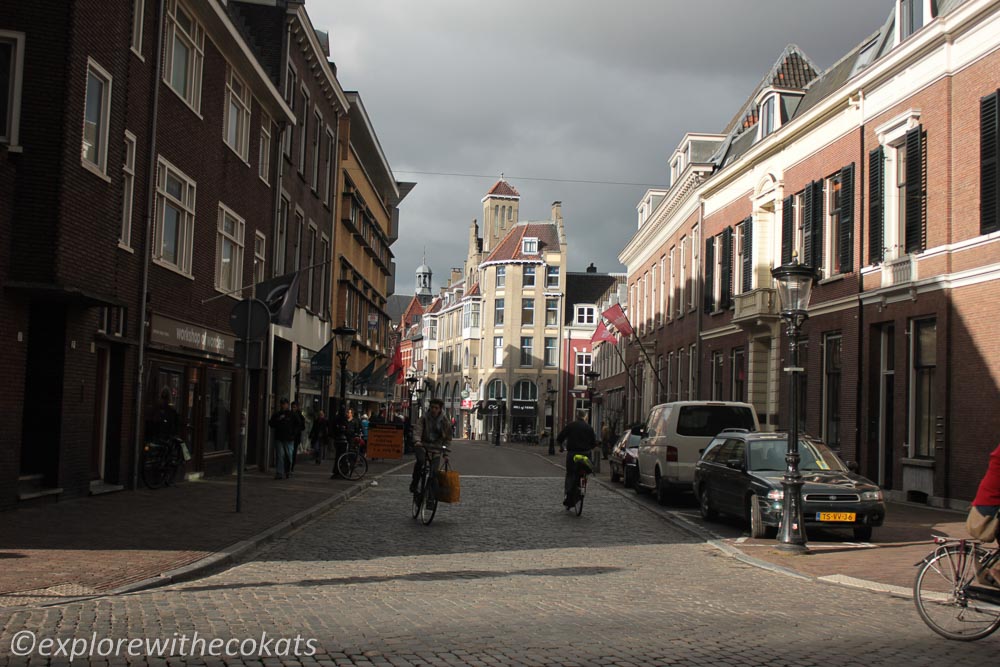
<point x="343" y="340"/>
<point x="550" y="400"/>
<point x="411" y="383"/>
<point x="795" y="283"/>
<point x="591" y="376"/>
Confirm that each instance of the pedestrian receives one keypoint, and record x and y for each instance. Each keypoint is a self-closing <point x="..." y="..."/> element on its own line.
<point x="300" y="427"/>
<point x="354" y="426"/>
<point x="285" y="427"/>
<point x="983" y="522"/>
<point x="580" y="439"/>
<point x="164" y="423"/>
<point x="605" y="439"/>
<point x="319" y="436"/>
<point x="364" y="426"/>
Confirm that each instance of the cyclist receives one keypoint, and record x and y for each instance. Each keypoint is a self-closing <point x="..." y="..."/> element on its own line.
<point x="433" y="430"/>
<point x="983" y="522"/>
<point x="578" y="438"/>
<point x="165" y="422"/>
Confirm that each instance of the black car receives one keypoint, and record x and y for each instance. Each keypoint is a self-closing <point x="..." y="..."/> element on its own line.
<point x="623" y="458"/>
<point x="740" y="474"/>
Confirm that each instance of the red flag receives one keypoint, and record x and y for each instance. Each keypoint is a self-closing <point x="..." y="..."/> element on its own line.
<point x="397" y="361"/>
<point x="602" y="335"/>
<point x="616" y="316"/>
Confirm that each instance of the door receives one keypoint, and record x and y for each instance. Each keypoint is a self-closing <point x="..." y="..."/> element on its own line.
<point x="99" y="440"/>
<point x="887" y="365"/>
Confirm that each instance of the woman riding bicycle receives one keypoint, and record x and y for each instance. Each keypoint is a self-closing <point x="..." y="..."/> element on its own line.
<point x="578" y="438"/>
<point x="433" y="430"/>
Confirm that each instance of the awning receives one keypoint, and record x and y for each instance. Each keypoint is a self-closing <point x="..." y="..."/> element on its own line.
<point x="322" y="362"/>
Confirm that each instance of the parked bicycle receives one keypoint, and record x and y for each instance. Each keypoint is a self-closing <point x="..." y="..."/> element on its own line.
<point x="952" y="593"/>
<point x="161" y="460"/>
<point x="583" y="470"/>
<point x="425" y="500"/>
<point x="353" y="464"/>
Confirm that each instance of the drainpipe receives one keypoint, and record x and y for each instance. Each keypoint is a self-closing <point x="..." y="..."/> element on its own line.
<point x="860" y="428"/>
<point x="699" y="285"/>
<point x="147" y="243"/>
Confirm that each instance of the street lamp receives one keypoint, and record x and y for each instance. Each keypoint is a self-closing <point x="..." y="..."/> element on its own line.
<point x="343" y="338"/>
<point x="591" y="376"/>
<point x="411" y="382"/>
<point x="550" y="399"/>
<point x="795" y="283"/>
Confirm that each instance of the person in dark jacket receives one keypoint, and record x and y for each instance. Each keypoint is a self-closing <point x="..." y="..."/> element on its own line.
<point x="285" y="427"/>
<point x="578" y="438"/>
<point x="319" y="436"/>
<point x="300" y="427"/>
<point x="165" y="422"/>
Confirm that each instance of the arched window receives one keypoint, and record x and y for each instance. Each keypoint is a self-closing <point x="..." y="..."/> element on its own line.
<point x="496" y="389"/>
<point x="444" y="394"/>
<point x="525" y="390"/>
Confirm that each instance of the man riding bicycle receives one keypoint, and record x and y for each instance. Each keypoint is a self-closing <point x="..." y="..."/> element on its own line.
<point x="432" y="432"/>
<point x="578" y="438"/>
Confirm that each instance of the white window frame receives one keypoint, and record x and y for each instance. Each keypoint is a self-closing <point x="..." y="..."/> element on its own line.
<point x="529" y="245"/>
<point x="582" y="363"/>
<point x="100" y="165"/>
<point x="10" y="133"/>
<point x="328" y="177"/>
<point x="238" y="105"/>
<point x="259" y="257"/>
<point x="551" y="272"/>
<point x="317" y="152"/>
<point x="128" y="192"/>
<point x="186" y="206"/>
<point x="586" y="315"/>
<point x="831" y="225"/>
<point x="281" y="235"/>
<point x="501" y="280"/>
<point x="671" y="295"/>
<point x="528" y="270"/>
<point x="527" y="308"/>
<point x="737" y="262"/>
<point x="498" y="351"/>
<point x="304" y="130"/>
<point x="236" y="239"/>
<point x="324" y="244"/>
<point x="892" y="138"/>
<point x="312" y="238"/>
<point x="551" y="360"/>
<point x="682" y="278"/>
<point x="264" y="150"/>
<point x="196" y="43"/>
<point x="554" y="311"/>
<point x="138" y="14"/>
<point x="527" y="350"/>
<point x="769" y="111"/>
<point x="291" y="92"/>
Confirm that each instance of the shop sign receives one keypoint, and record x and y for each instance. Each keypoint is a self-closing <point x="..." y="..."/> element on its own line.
<point x="174" y="333"/>
<point x="523" y="408"/>
<point x="468" y="403"/>
<point x="385" y="442"/>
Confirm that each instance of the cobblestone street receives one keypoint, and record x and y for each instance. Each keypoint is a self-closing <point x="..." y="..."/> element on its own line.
<point x="505" y="577"/>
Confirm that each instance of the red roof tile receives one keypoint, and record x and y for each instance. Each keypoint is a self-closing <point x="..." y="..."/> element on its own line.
<point x="503" y="189"/>
<point x="509" y="248"/>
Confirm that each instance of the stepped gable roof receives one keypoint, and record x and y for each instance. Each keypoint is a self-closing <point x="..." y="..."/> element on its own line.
<point x="503" y="189"/>
<point x="585" y="288"/>
<point x="509" y="249"/>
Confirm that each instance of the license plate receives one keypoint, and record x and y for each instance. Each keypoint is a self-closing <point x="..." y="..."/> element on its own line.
<point x="835" y="516"/>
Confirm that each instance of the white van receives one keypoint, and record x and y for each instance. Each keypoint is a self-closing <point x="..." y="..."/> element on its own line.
<point x="677" y="433"/>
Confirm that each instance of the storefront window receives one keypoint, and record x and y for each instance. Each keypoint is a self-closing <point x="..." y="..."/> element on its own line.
<point x="218" y="412"/>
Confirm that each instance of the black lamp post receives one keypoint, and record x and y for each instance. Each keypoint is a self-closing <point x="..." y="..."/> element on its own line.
<point x="591" y="376"/>
<point x="550" y="399"/>
<point x="411" y="383"/>
<point x="795" y="283"/>
<point x="343" y="340"/>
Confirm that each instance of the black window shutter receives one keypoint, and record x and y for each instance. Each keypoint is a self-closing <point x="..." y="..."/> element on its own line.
<point x="726" y="270"/>
<point x="807" y="224"/>
<point x="989" y="155"/>
<point x="747" y="255"/>
<point x="846" y="249"/>
<point x="813" y="225"/>
<point x="915" y="230"/>
<point x="710" y="274"/>
<point x="787" y="229"/>
<point x="876" y="205"/>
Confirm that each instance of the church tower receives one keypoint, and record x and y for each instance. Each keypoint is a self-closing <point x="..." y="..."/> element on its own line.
<point x="499" y="212"/>
<point x="424" y="294"/>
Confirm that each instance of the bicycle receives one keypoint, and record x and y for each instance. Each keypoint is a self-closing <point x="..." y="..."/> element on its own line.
<point x="353" y="464"/>
<point x="951" y="593"/>
<point x="161" y="459"/>
<point x="583" y="470"/>
<point x="425" y="497"/>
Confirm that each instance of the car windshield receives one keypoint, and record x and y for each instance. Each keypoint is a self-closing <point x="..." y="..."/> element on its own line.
<point x="770" y="455"/>
<point x="708" y="420"/>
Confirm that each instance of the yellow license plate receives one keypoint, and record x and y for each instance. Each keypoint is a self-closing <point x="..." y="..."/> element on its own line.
<point x="835" y="516"/>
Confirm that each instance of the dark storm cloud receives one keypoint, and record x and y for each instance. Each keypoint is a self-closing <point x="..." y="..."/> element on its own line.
<point x="562" y="90"/>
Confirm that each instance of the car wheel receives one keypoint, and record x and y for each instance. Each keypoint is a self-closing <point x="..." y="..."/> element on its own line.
<point x="708" y="513"/>
<point x="863" y="533"/>
<point x="757" y="528"/>
<point x="662" y="493"/>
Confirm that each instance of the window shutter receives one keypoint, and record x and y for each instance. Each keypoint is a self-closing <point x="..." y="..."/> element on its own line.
<point x="915" y="229"/>
<point x="709" y="274"/>
<point x="787" y="229"/>
<point x="747" y="254"/>
<point x="813" y="225"/>
<point x="989" y="175"/>
<point x="807" y="215"/>
<point x="876" y="205"/>
<point x="846" y="249"/>
<point x="726" y="270"/>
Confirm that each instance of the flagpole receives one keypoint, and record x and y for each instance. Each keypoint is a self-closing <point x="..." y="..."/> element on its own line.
<point x="284" y="275"/>
<point x="659" y="381"/>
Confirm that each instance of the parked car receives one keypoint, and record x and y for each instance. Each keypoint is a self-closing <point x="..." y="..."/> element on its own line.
<point x="623" y="457"/>
<point x="740" y="474"/>
<point x="675" y="435"/>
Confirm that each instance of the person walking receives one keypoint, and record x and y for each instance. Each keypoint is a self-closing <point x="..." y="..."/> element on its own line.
<point x="579" y="438"/>
<point x="605" y="440"/>
<point x="300" y="427"/>
<point x="319" y="436"/>
<point x="285" y="427"/>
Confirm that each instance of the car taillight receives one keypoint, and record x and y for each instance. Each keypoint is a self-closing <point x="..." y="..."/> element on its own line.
<point x="672" y="454"/>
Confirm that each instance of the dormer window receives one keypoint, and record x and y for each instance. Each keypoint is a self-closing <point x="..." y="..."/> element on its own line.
<point x="529" y="246"/>
<point x="768" y="119"/>
<point x="586" y="315"/>
<point x="911" y="17"/>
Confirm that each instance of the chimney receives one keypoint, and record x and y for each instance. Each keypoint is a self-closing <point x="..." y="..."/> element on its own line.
<point x="456" y="275"/>
<point x="556" y="211"/>
<point x="591" y="268"/>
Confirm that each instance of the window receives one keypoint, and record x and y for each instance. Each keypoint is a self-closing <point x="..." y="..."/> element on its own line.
<point x="692" y="275"/>
<point x="989" y="156"/>
<point x="551" y="312"/>
<point x="662" y="312"/>
<point x="328" y="173"/>
<point x="923" y="399"/>
<point x="501" y="276"/>
<point x="551" y="276"/>
<point x="527" y="312"/>
<point x="496" y="390"/>
<point x="839" y="242"/>
<point x="767" y="118"/>
<point x="229" y="251"/>
<point x="498" y="312"/>
<point x="175" y="196"/>
<point x="498" y="350"/>
<point x="128" y="189"/>
<point x="303" y="131"/>
<point x="672" y="286"/>
<point x="525" y="390"/>
<point x="185" y="53"/>
<point x="236" y="126"/>
<point x="529" y="246"/>
<point x="527" y="353"/>
<point x="311" y="253"/>
<point x="317" y="153"/>
<point x="264" y="153"/>
<point x="281" y="238"/>
<point x="911" y="17"/>
<point x="743" y="258"/>
<point x="291" y="81"/>
<point x="717" y="383"/>
<point x="832" y="366"/>
<point x="692" y="371"/>
<point x="96" y="118"/>
<point x="682" y="277"/>
<point x="586" y="315"/>
<point x="897" y="175"/>
<point x="551" y="353"/>
<point x="529" y="277"/>
<point x="11" y="66"/>
<point x="582" y="366"/>
<point x="739" y="370"/>
<point x="138" y="12"/>
<point x="297" y="242"/>
<point x="259" y="257"/>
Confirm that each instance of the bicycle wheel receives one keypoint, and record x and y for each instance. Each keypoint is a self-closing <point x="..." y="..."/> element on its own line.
<point x="428" y="502"/>
<point x="580" y="492"/>
<point x="352" y="465"/>
<point x="946" y="595"/>
<point x="151" y="468"/>
<point x="172" y="463"/>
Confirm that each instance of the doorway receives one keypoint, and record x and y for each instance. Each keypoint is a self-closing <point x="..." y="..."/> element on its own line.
<point x="885" y="344"/>
<point x="99" y="440"/>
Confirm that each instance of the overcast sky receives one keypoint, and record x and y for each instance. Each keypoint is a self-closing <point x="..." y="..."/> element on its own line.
<point x="555" y="91"/>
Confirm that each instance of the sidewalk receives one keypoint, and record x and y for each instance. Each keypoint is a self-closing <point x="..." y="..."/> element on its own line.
<point x="135" y="539"/>
<point x="886" y="563"/>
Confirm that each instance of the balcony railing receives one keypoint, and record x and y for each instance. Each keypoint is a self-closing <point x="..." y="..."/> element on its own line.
<point x="899" y="271"/>
<point x="755" y="304"/>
